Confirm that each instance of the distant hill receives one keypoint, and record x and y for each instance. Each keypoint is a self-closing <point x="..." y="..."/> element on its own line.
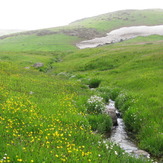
<point x="65" y="38"/>
<point x="9" y="31"/>
<point x="109" y="21"/>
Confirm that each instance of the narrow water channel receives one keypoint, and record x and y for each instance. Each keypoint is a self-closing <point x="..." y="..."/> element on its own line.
<point x="120" y="137"/>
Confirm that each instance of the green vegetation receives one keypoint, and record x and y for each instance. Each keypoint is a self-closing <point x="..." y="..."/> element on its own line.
<point x="101" y="123"/>
<point x="93" y="83"/>
<point x="42" y="121"/>
<point x="135" y="72"/>
<point x="95" y="105"/>
<point x="23" y="43"/>
<point x="64" y="38"/>
<point x="45" y="115"/>
<point x="113" y="20"/>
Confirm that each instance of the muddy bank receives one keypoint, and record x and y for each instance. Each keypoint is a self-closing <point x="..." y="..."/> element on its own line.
<point x="122" y="34"/>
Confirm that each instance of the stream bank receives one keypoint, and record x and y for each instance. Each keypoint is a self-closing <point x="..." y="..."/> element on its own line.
<point x="119" y="134"/>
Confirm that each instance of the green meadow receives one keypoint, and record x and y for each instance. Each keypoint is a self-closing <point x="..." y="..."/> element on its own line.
<point x="56" y="42"/>
<point x="45" y="114"/>
<point x="44" y="119"/>
<point x="118" y="19"/>
<point x="134" y="72"/>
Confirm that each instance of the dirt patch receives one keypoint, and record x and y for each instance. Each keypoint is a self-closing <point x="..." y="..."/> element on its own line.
<point x="45" y="32"/>
<point x="84" y="33"/>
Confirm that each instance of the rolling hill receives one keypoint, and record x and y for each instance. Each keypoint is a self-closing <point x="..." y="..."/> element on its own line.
<point x="44" y="111"/>
<point x="64" y="38"/>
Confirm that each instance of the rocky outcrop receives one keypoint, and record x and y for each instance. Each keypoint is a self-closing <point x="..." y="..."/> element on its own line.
<point x="38" y="65"/>
<point x="27" y="68"/>
<point x="143" y="153"/>
<point x="86" y="33"/>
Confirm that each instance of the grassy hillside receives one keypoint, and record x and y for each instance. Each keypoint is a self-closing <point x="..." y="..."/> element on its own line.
<point x="64" y="38"/>
<point x="134" y="69"/>
<point x="114" y="20"/>
<point x="44" y="112"/>
<point x="44" y="119"/>
<point x="56" y="42"/>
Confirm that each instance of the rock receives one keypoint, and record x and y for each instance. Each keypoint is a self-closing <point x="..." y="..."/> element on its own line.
<point x="112" y="112"/>
<point x="31" y="92"/>
<point x="142" y="153"/>
<point x="27" y="68"/>
<point x="118" y="114"/>
<point x="37" y="65"/>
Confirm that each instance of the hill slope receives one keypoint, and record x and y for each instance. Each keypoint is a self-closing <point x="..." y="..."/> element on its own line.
<point x="114" y="20"/>
<point x="133" y="69"/>
<point x="53" y="98"/>
<point x="64" y="38"/>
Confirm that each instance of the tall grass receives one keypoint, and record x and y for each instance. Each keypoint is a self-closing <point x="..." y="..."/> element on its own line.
<point x="41" y="120"/>
<point x="135" y="82"/>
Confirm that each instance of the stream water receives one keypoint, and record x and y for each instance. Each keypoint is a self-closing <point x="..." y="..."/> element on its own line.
<point x="120" y="137"/>
<point x="122" y="34"/>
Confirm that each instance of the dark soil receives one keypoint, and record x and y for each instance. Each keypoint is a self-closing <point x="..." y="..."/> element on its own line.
<point x="85" y="33"/>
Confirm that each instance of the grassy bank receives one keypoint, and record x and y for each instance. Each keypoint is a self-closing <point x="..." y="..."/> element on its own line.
<point x="135" y="69"/>
<point x="43" y="119"/>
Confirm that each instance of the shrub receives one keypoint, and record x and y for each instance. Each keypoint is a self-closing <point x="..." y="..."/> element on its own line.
<point x="105" y="93"/>
<point x="105" y="96"/>
<point x="111" y="93"/>
<point x="124" y="101"/>
<point x="133" y="119"/>
<point x="95" y="105"/>
<point x="94" y="83"/>
<point x="114" y="92"/>
<point x="101" y="123"/>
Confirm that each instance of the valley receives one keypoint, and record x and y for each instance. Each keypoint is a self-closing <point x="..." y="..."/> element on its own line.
<point x="53" y="112"/>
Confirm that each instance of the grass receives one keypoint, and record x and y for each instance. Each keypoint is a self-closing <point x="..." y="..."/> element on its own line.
<point x="131" y="68"/>
<point x="44" y="117"/>
<point x="23" y="43"/>
<point x="42" y="121"/>
<point x="93" y="83"/>
<point x="118" y="19"/>
<point x="64" y="38"/>
<point x="100" y="123"/>
<point x="59" y="129"/>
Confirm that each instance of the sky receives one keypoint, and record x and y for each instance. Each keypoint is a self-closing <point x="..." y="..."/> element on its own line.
<point x="39" y="14"/>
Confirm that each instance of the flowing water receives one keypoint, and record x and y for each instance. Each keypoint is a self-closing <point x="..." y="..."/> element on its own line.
<point x="122" y="34"/>
<point x="120" y="137"/>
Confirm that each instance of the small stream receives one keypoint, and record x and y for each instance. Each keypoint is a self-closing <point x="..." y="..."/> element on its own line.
<point x="120" y="137"/>
<point x="119" y="134"/>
